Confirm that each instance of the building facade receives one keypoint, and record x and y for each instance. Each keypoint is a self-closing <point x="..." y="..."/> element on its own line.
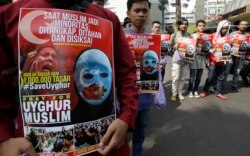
<point x="214" y="9"/>
<point x="237" y="11"/>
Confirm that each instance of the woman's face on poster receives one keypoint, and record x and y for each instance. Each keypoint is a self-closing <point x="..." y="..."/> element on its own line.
<point x="46" y="59"/>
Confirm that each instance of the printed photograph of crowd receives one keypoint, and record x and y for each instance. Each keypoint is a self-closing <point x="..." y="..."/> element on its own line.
<point x="90" y="133"/>
<point x="68" y="138"/>
<point x="54" y="139"/>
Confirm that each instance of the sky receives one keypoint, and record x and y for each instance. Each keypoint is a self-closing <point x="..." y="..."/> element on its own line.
<point x="119" y="7"/>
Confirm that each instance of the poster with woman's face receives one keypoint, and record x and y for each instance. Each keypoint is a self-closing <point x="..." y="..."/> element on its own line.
<point x="146" y="51"/>
<point x="66" y="75"/>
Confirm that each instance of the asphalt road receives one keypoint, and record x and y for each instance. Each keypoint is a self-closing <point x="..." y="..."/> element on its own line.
<point x="200" y="127"/>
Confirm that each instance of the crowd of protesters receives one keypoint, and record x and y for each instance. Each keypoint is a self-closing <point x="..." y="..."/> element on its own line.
<point x="218" y="70"/>
<point x="182" y="71"/>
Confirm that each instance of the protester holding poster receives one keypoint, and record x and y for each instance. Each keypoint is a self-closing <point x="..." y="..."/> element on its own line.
<point x="139" y="9"/>
<point x="165" y="48"/>
<point x="240" y="46"/>
<point x="70" y="97"/>
<point x="180" y="68"/>
<point x="203" y="45"/>
<point x="156" y="27"/>
<point x="219" y="59"/>
<point x="11" y="139"/>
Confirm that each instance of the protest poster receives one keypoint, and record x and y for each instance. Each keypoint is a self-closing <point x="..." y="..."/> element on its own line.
<point x="204" y="44"/>
<point x="66" y="80"/>
<point x="186" y="48"/>
<point x="240" y="45"/>
<point x="222" y="48"/>
<point x="165" y="47"/>
<point x="146" y="49"/>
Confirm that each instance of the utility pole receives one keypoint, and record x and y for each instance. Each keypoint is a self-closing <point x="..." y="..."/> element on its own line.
<point x="162" y="14"/>
<point x="178" y="9"/>
<point x="199" y="9"/>
<point x="162" y="8"/>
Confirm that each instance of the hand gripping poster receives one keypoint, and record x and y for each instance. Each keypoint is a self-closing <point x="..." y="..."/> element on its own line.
<point x="66" y="80"/>
<point x="186" y="48"/>
<point x="222" y="48"/>
<point x="240" y="45"/>
<point x="146" y="49"/>
<point x="165" y="47"/>
<point x="204" y="44"/>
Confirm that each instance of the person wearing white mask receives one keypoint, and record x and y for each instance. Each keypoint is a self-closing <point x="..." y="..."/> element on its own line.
<point x="217" y="67"/>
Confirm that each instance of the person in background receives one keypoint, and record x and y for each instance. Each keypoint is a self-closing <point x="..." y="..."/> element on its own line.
<point x="217" y="68"/>
<point x="196" y="68"/>
<point x="156" y="27"/>
<point x="179" y="69"/>
<point x="114" y="142"/>
<point x="169" y="29"/>
<point x="237" y="60"/>
<point x="126" y="22"/>
<point x="138" y="12"/>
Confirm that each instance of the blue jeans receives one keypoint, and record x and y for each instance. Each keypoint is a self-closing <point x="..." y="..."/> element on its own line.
<point x="195" y="79"/>
<point x="245" y="72"/>
<point x="216" y="76"/>
<point x="220" y="73"/>
<point x="139" y="133"/>
<point x="237" y="65"/>
<point x="211" y="80"/>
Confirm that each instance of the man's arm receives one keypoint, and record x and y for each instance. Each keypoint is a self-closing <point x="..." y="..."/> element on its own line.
<point x="16" y="147"/>
<point x="9" y="145"/>
<point x="125" y="76"/>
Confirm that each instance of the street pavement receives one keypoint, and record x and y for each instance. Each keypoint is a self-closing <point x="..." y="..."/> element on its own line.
<point x="200" y="127"/>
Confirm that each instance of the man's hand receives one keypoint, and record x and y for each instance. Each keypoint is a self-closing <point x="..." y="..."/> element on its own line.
<point x="114" y="138"/>
<point x="16" y="147"/>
